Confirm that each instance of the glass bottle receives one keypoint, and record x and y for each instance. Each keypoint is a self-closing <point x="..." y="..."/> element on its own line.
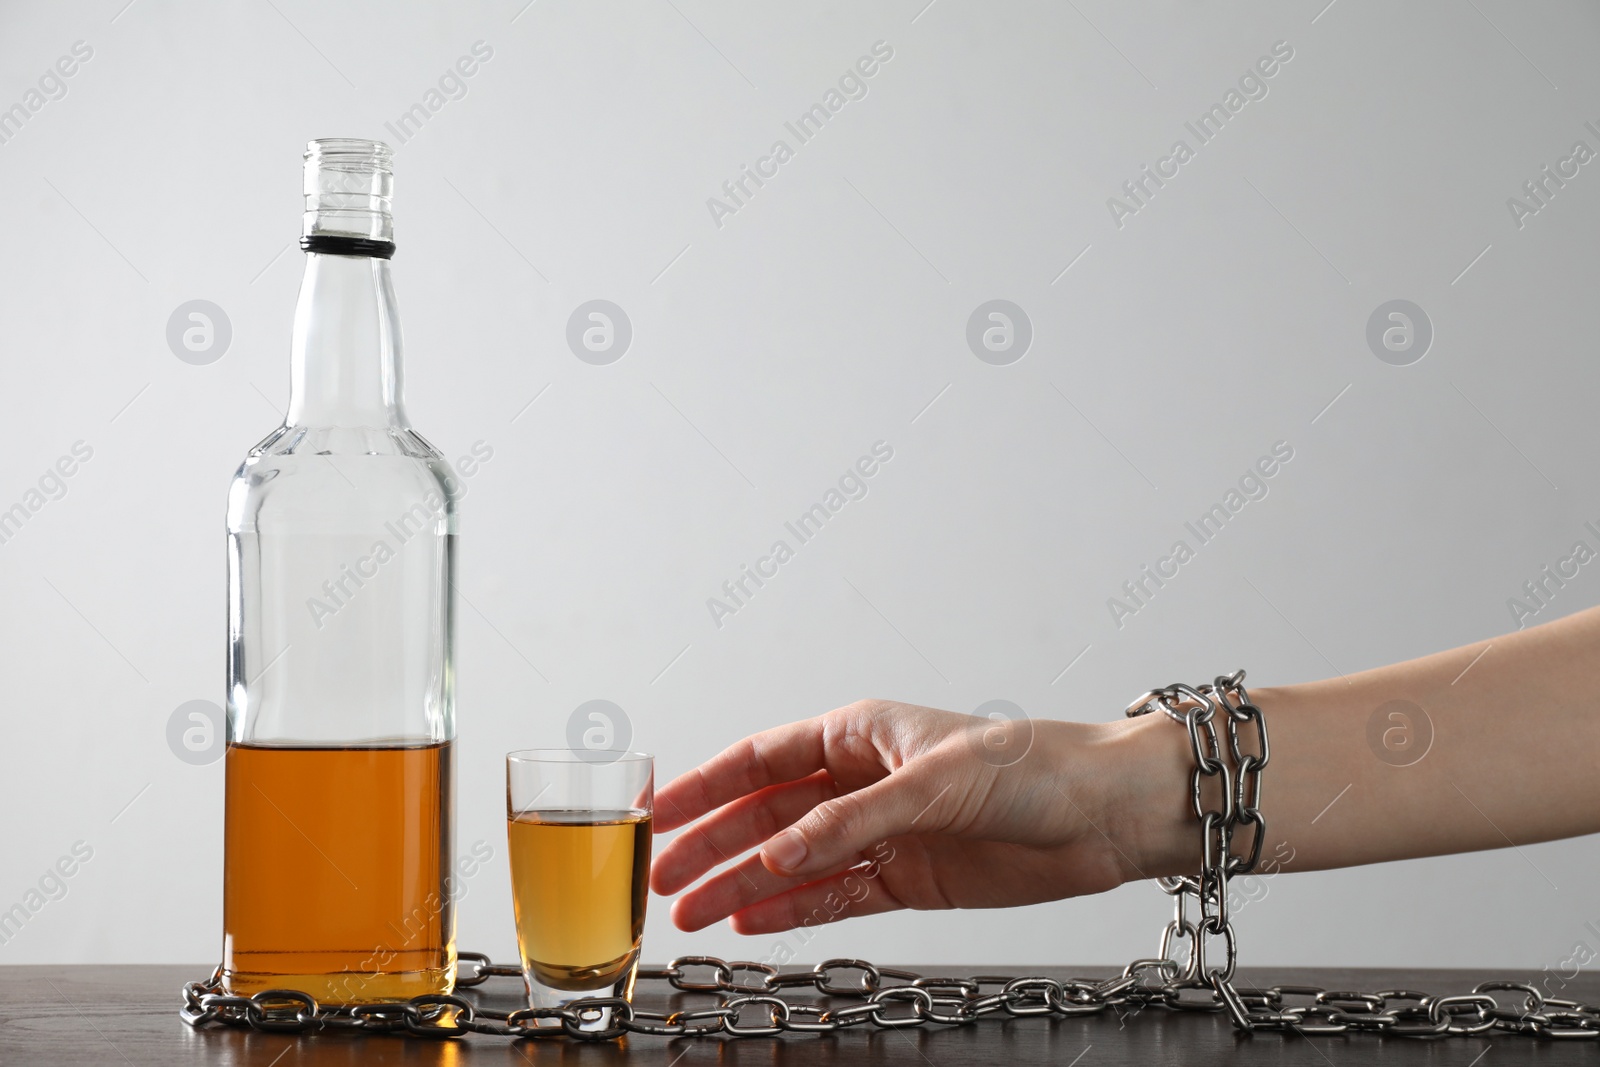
<point x="341" y="716"/>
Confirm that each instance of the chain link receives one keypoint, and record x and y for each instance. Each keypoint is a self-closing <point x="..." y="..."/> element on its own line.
<point x="853" y="992"/>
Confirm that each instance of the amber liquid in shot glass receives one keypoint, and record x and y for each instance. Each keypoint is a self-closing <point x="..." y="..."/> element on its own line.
<point x="578" y="881"/>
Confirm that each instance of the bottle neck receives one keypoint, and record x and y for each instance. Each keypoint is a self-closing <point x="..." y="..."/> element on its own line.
<point x="346" y="349"/>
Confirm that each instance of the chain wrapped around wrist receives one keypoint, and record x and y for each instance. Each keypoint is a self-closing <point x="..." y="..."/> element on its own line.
<point x="1235" y="806"/>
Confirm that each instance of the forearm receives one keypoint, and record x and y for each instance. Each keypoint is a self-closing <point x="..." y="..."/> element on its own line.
<point x="1480" y="747"/>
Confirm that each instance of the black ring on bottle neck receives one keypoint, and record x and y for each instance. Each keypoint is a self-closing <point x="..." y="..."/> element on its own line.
<point x="333" y="244"/>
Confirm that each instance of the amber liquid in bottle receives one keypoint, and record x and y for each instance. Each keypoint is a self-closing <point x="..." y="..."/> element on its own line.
<point x="578" y="884"/>
<point x="334" y="863"/>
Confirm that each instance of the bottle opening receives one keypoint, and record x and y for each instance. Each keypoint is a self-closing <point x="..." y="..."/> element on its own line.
<point x="348" y="186"/>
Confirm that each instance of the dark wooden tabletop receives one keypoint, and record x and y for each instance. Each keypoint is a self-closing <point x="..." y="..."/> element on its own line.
<point x="113" y="1015"/>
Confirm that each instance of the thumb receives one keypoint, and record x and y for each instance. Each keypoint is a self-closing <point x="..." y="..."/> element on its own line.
<point x="832" y="834"/>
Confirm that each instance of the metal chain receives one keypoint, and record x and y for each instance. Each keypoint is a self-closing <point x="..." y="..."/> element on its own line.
<point x="852" y="992"/>
<point x="1238" y="804"/>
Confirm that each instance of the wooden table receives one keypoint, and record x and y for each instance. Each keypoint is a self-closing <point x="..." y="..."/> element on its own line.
<point x="127" y="1015"/>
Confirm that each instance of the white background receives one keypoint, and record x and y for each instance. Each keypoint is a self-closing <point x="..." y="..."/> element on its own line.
<point x="772" y="351"/>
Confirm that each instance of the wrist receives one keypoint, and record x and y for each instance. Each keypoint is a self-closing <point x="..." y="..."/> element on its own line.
<point x="1149" y="817"/>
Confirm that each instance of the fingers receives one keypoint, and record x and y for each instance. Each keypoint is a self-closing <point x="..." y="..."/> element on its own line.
<point x="735" y="828"/>
<point x="782" y="754"/>
<point x="848" y="894"/>
<point x="748" y="885"/>
<point x="728" y="891"/>
<point x="833" y="833"/>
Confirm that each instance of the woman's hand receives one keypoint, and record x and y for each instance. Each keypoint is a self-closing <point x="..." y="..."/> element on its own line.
<point x="879" y="806"/>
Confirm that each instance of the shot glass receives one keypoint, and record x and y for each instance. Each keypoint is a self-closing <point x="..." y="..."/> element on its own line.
<point x="579" y="824"/>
